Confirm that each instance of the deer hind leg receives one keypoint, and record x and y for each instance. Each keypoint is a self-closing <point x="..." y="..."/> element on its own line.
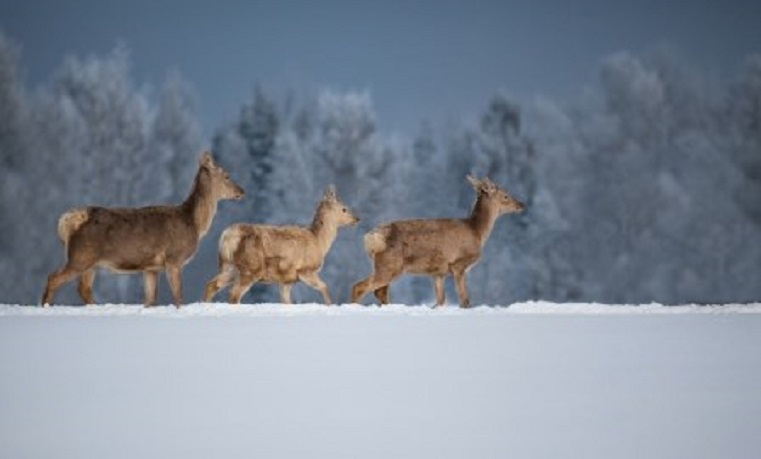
<point x="313" y="280"/>
<point x="56" y="280"/>
<point x="150" y="287"/>
<point x="244" y="282"/>
<point x="174" y="275"/>
<point x="378" y="281"/>
<point x="382" y="294"/>
<point x="438" y="283"/>
<point x="85" y="286"/>
<point x="220" y="281"/>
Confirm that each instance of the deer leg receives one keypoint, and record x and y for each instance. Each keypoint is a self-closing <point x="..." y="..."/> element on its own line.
<point x="378" y="281"/>
<point x="313" y="280"/>
<point x="55" y="280"/>
<point x="285" y="293"/>
<point x="462" y="288"/>
<point x="174" y="274"/>
<point x="382" y="294"/>
<point x="438" y="283"/>
<point x="85" y="286"/>
<point x="241" y="286"/>
<point x="363" y="287"/>
<point x="360" y="289"/>
<point x="219" y="282"/>
<point x="150" y="287"/>
<point x="387" y="266"/>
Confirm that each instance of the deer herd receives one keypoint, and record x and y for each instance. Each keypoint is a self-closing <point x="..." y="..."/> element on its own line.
<point x="149" y="240"/>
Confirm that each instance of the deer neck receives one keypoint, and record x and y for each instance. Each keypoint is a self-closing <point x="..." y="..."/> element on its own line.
<point x="324" y="229"/>
<point x="201" y="204"/>
<point x="482" y="218"/>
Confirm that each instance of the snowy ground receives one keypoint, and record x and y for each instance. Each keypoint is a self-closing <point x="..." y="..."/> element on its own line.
<point x="534" y="380"/>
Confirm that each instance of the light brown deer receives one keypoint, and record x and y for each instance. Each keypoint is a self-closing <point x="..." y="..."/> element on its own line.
<point x="279" y="254"/>
<point x="146" y="239"/>
<point x="435" y="247"/>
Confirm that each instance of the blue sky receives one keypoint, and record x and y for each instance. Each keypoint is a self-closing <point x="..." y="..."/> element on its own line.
<point x="436" y="60"/>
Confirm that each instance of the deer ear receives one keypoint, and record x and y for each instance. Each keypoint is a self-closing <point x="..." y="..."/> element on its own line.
<point x="477" y="184"/>
<point x="330" y="193"/>
<point x="488" y="185"/>
<point x="206" y="159"/>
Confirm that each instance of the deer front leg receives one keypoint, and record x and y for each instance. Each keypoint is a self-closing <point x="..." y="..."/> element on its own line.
<point x="438" y="283"/>
<point x="313" y="280"/>
<point x="285" y="293"/>
<point x="85" y="286"/>
<point x="174" y="274"/>
<point x="462" y="288"/>
<point x="150" y="287"/>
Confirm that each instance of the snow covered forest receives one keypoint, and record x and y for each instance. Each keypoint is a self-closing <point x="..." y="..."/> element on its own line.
<point x="646" y="187"/>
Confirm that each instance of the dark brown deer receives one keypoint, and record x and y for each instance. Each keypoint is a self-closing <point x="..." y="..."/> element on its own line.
<point x="435" y="247"/>
<point x="146" y="239"/>
<point x="280" y="254"/>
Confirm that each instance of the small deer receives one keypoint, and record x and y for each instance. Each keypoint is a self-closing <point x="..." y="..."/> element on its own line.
<point x="146" y="239"/>
<point x="434" y="247"/>
<point x="279" y="254"/>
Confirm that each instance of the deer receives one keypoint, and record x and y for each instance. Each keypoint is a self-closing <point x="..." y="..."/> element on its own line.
<point x="250" y="253"/>
<point x="435" y="247"/>
<point x="146" y="239"/>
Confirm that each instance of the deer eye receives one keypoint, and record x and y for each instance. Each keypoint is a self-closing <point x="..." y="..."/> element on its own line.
<point x="344" y="210"/>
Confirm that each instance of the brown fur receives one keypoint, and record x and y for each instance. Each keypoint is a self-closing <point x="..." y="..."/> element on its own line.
<point x="279" y="254"/>
<point x="434" y="247"/>
<point x="146" y="239"/>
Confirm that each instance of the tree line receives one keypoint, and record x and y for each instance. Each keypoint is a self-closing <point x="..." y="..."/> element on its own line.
<point x="645" y="187"/>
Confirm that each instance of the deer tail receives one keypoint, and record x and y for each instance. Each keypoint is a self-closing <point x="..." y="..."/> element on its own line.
<point x="228" y="244"/>
<point x="375" y="241"/>
<point x="70" y="222"/>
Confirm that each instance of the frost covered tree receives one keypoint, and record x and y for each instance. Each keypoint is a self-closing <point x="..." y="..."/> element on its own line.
<point x="12" y="148"/>
<point x="93" y="139"/>
<point x="114" y="163"/>
<point x="11" y="106"/>
<point x="426" y="174"/>
<point x="98" y="94"/>
<point x="509" y="157"/>
<point x="646" y="188"/>
<point x="333" y="141"/>
<point x="497" y="148"/>
<point x="175" y="137"/>
<point x="247" y="146"/>
<point x="743" y="129"/>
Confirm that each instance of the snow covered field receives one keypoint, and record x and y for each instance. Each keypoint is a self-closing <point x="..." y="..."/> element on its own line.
<point x="534" y="380"/>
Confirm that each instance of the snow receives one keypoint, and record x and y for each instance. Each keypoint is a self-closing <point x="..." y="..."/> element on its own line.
<point x="316" y="309"/>
<point x="538" y="380"/>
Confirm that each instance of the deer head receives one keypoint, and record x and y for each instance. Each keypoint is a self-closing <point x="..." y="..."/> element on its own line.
<point x="222" y="186"/>
<point x="496" y="196"/>
<point x="333" y="208"/>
